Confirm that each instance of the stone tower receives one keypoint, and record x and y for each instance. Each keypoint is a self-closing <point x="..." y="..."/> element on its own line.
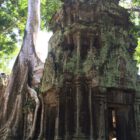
<point x="90" y="77"/>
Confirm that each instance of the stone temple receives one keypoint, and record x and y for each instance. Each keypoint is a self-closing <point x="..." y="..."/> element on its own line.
<point x="90" y="81"/>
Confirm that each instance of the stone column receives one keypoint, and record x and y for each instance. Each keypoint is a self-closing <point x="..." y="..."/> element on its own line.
<point x="91" y="42"/>
<point x="78" y="41"/>
<point x="137" y="115"/>
<point x="90" y="100"/>
<point x="77" y="113"/>
<point x="101" y="127"/>
<point x="57" y="125"/>
<point x="69" y="15"/>
<point x="77" y="108"/>
<point x="68" y="39"/>
<point x="66" y="110"/>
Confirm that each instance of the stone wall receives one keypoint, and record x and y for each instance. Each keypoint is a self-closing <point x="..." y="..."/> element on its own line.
<point x="90" y="73"/>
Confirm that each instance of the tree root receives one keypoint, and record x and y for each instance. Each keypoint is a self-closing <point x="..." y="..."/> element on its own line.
<point x="34" y="96"/>
<point x="8" y="128"/>
<point x="22" y="76"/>
<point x="41" y="134"/>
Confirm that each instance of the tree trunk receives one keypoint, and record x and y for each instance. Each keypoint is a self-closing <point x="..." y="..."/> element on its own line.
<point x="20" y="102"/>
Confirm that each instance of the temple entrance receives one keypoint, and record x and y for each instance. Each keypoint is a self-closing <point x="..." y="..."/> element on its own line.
<point x="118" y="123"/>
<point x="112" y="124"/>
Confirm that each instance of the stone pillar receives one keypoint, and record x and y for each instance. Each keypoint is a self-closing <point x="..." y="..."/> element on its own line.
<point x="78" y="134"/>
<point x="100" y="106"/>
<point x="67" y="111"/>
<point x="68" y="39"/>
<point x="59" y="117"/>
<point x="101" y="133"/>
<point x="77" y="108"/>
<point x="69" y="15"/>
<point x="57" y="125"/>
<point x="78" y="41"/>
<point x="91" y="43"/>
<point x="90" y="100"/>
<point x="137" y="115"/>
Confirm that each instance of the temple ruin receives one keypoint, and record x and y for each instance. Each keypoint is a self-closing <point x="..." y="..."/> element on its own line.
<point x="90" y="83"/>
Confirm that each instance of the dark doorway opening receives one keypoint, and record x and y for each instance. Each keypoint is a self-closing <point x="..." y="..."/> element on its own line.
<point x="119" y="122"/>
<point x="112" y="120"/>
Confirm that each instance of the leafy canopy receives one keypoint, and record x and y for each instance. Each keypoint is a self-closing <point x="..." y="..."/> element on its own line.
<point x="13" y="15"/>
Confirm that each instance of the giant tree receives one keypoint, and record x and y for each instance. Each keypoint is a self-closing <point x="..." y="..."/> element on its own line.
<point x="12" y="23"/>
<point x="13" y="114"/>
<point x="20" y="103"/>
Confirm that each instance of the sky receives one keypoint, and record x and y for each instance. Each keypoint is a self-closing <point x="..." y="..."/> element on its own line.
<point x="42" y="44"/>
<point x="128" y="0"/>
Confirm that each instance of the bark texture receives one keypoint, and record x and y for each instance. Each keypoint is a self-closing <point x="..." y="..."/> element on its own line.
<point x="19" y="104"/>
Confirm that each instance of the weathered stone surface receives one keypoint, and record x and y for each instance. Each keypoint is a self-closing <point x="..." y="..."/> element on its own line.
<point x="90" y="77"/>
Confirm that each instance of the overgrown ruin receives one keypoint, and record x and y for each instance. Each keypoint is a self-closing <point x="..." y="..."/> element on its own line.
<point x="90" y="81"/>
<point x="89" y="88"/>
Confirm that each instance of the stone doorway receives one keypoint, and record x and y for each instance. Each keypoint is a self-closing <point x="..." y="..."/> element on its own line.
<point x="119" y="123"/>
<point x="112" y="124"/>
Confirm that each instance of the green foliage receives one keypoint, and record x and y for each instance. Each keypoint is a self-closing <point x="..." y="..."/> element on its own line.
<point x="13" y="15"/>
<point x="48" y="9"/>
<point x="134" y="9"/>
<point x="12" y="24"/>
<point x="135" y="17"/>
<point x="137" y="54"/>
<point x="71" y="64"/>
<point x="137" y="2"/>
